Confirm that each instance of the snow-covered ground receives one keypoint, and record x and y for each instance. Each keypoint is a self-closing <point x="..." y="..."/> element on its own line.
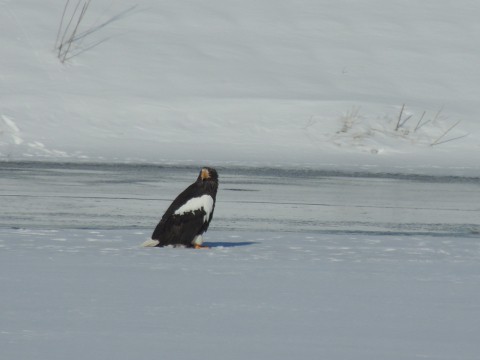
<point x="308" y="82"/>
<point x="88" y="294"/>
<point x="302" y="264"/>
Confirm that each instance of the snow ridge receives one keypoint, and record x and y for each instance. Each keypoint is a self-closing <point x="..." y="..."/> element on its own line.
<point x="11" y="129"/>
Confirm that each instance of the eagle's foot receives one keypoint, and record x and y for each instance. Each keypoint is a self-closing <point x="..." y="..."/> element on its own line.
<point x="201" y="247"/>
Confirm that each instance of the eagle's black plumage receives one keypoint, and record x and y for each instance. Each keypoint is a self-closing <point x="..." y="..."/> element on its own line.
<point x="189" y="214"/>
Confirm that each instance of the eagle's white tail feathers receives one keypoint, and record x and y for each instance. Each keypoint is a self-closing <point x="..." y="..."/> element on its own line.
<point x="150" y="243"/>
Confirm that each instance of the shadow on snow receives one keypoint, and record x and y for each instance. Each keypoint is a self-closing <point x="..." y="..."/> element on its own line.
<point x="228" y="244"/>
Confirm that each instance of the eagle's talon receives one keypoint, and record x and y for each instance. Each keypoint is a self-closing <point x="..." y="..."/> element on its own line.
<point x="201" y="247"/>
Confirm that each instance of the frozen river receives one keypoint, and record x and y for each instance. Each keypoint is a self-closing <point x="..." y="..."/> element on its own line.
<point x="60" y="196"/>
<point x="303" y="264"/>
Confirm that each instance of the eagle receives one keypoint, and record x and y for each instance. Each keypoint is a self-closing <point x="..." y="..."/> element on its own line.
<point x="189" y="215"/>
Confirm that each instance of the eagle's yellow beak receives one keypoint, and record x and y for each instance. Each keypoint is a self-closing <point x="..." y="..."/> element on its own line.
<point x="205" y="174"/>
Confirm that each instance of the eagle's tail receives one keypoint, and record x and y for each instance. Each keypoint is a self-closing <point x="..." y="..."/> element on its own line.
<point x="151" y="243"/>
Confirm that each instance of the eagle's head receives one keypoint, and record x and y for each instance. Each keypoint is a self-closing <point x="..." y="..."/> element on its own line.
<point x="208" y="174"/>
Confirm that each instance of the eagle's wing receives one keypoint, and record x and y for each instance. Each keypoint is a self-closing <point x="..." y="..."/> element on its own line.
<point x="180" y="229"/>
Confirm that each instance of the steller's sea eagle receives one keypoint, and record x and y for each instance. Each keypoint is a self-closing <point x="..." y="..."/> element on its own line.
<point x="189" y="215"/>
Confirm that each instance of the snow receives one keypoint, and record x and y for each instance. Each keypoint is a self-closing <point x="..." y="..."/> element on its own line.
<point x="346" y="138"/>
<point x="259" y="295"/>
<point x="302" y="83"/>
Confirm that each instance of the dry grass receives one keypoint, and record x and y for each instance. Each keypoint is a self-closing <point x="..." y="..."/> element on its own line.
<point x="68" y="43"/>
<point x="66" y="35"/>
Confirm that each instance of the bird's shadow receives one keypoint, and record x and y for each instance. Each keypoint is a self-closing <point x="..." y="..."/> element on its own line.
<point x="228" y="244"/>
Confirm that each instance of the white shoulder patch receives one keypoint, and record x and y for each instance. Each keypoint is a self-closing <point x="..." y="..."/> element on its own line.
<point x="204" y="202"/>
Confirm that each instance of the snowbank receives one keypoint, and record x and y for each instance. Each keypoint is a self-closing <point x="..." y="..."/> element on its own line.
<point x="300" y="83"/>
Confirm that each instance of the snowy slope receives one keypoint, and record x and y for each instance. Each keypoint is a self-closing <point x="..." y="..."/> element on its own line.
<point x="254" y="82"/>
